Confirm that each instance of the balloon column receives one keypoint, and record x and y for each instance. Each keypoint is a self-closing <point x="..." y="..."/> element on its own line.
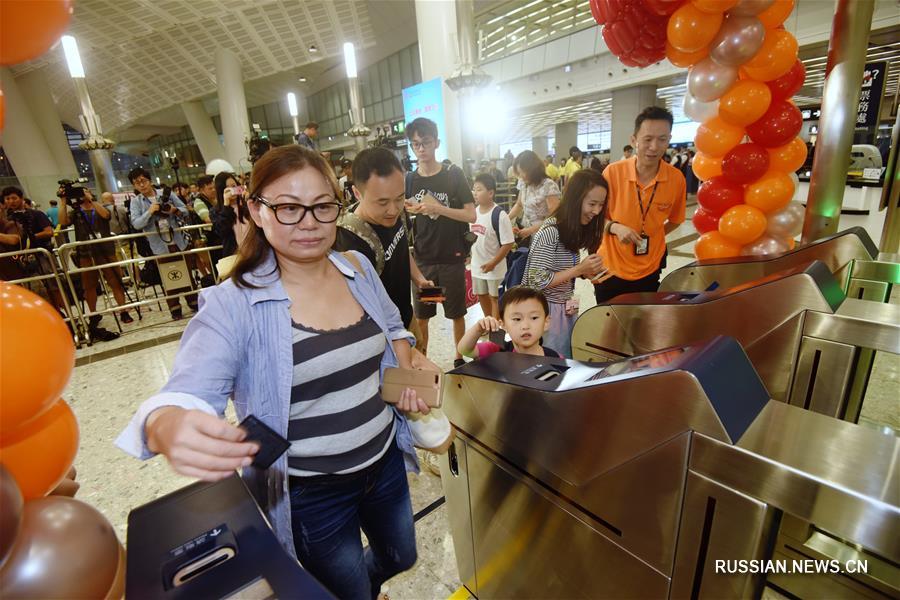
<point x="50" y="546"/>
<point x="742" y="72"/>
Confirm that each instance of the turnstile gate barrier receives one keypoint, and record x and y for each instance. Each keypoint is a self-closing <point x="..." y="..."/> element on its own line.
<point x="850" y="255"/>
<point x="639" y="478"/>
<point x="812" y="346"/>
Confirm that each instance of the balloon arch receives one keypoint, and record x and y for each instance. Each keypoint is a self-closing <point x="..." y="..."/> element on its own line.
<point x="742" y="72"/>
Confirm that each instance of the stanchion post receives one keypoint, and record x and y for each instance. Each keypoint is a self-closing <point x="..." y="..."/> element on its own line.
<point x="840" y="99"/>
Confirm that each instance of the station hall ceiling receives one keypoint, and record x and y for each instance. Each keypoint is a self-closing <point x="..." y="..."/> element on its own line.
<point x="144" y="57"/>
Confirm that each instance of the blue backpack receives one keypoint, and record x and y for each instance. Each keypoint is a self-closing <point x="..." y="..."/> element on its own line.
<point x="515" y="269"/>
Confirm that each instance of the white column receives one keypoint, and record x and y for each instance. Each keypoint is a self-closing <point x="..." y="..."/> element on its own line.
<point x="436" y="24"/>
<point x="36" y="93"/>
<point x="204" y="133"/>
<point x="540" y="145"/>
<point x="566" y="137"/>
<point x="627" y="104"/>
<point x="24" y="144"/>
<point x="233" y="108"/>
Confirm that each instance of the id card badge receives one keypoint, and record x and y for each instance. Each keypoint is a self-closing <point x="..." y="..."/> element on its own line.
<point x="643" y="247"/>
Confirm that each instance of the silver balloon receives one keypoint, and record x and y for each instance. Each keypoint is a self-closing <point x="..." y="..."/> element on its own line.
<point x="738" y="40"/>
<point x="787" y="222"/>
<point x="796" y="180"/>
<point x="750" y="8"/>
<point x="708" y="81"/>
<point x="765" y="245"/>
<point x="10" y="512"/>
<point x="699" y="111"/>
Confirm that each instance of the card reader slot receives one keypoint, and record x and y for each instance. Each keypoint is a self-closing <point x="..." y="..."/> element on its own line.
<point x="202" y="565"/>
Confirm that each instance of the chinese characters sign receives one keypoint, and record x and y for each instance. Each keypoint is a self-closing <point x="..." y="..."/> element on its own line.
<point x="870" y="95"/>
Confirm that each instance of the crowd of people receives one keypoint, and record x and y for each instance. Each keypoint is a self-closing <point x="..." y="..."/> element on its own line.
<point x="331" y="272"/>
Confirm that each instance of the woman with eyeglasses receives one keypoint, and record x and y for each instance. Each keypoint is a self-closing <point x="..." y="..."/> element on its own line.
<point x="299" y="337"/>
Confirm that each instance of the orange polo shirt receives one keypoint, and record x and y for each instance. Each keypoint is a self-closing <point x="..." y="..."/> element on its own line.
<point x="623" y="207"/>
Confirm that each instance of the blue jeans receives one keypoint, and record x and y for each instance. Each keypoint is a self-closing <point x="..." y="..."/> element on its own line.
<point x="327" y="517"/>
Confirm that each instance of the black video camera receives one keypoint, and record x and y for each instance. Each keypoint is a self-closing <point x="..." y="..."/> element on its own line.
<point x="165" y="206"/>
<point x="72" y="191"/>
<point x="258" y="146"/>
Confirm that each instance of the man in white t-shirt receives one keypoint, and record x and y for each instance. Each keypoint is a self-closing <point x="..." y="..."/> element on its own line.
<point x="495" y="241"/>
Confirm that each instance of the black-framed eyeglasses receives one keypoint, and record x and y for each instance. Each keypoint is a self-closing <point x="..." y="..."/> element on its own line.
<point x="291" y="213"/>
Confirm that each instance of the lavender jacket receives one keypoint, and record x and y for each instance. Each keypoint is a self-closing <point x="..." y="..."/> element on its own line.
<point x="239" y="345"/>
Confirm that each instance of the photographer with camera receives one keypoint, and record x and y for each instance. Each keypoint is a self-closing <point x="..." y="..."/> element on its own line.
<point x="91" y="222"/>
<point x="160" y="216"/>
<point x="37" y="232"/>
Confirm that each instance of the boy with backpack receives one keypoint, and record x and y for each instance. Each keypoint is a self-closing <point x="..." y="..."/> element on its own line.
<point x="494" y="241"/>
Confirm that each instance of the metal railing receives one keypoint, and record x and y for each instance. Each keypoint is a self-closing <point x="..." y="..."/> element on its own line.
<point x="30" y="260"/>
<point x="181" y="280"/>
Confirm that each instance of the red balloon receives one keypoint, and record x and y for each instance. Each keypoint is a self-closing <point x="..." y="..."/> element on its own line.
<point x="705" y="221"/>
<point x="788" y="84"/>
<point x="780" y="124"/>
<point x="719" y="194"/>
<point x="598" y="11"/>
<point x="634" y="31"/>
<point x="745" y="163"/>
<point x="663" y="8"/>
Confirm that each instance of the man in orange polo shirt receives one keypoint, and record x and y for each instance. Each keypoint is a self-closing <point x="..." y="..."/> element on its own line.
<point x="646" y="201"/>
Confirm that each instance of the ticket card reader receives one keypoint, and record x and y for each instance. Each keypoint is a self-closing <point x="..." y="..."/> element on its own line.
<point x="210" y="540"/>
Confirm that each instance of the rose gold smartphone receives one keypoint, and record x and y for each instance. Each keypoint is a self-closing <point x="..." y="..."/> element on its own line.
<point x="427" y="384"/>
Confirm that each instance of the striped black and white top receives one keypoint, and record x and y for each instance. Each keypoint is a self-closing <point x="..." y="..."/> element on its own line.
<point x="546" y="257"/>
<point x="338" y="420"/>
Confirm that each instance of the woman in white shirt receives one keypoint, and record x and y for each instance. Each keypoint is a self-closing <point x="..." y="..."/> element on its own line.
<point x="538" y="194"/>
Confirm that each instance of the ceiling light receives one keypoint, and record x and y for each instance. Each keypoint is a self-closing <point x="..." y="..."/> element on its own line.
<point x="350" y="59"/>
<point x="292" y="104"/>
<point x="73" y="58"/>
<point x="313" y="48"/>
<point x="302" y="80"/>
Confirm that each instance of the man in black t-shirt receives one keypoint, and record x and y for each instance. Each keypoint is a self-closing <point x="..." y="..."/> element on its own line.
<point x="441" y="199"/>
<point x="377" y="229"/>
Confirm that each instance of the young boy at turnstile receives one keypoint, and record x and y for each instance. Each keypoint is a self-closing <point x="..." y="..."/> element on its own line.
<point x="524" y="314"/>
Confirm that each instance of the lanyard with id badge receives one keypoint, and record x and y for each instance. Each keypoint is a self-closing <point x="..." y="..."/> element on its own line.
<point x="643" y="247"/>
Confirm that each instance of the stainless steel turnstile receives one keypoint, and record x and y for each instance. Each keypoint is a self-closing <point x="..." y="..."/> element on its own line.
<point x="812" y="346"/>
<point x="850" y="255"/>
<point x="634" y="479"/>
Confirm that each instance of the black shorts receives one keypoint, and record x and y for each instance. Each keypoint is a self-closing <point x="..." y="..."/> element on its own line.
<point x="452" y="277"/>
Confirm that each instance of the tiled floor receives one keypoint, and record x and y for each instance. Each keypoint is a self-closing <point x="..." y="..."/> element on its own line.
<point x="114" y="377"/>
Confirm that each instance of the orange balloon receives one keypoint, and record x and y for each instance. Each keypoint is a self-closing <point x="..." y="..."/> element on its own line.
<point x="746" y="102"/>
<point x="39" y="453"/>
<point x="691" y="30"/>
<point x="770" y="192"/>
<point x="791" y="243"/>
<point x="742" y="224"/>
<point x="714" y="6"/>
<point x="716" y="137"/>
<point x="776" y="57"/>
<point x="790" y="157"/>
<point x="684" y="59"/>
<point x="713" y="244"/>
<point x="775" y="15"/>
<point x="36" y="355"/>
<point x="706" y="167"/>
<point x="2" y="109"/>
<point x="28" y="28"/>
